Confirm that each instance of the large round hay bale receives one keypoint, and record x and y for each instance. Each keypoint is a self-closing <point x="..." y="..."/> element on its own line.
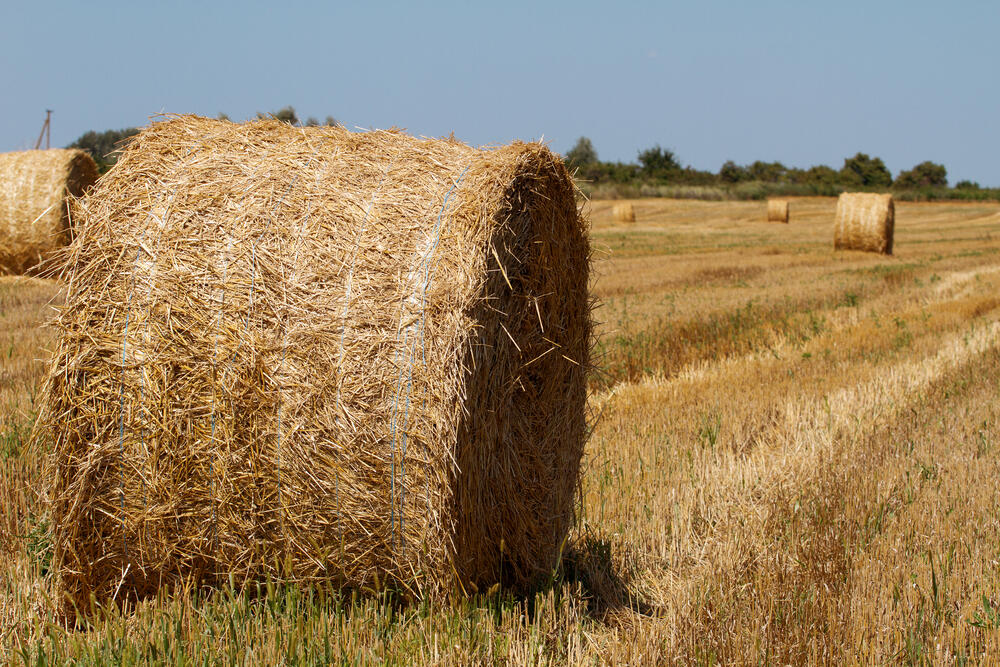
<point x="777" y="210"/>
<point x="34" y="188"/>
<point x="623" y="212"/>
<point x="312" y="354"/>
<point x="864" y="221"/>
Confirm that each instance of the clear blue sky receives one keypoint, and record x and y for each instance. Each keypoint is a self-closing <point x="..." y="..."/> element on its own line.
<point x="801" y="82"/>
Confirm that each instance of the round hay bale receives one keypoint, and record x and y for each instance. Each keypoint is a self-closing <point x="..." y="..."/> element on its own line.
<point x="864" y="221"/>
<point x="777" y="210"/>
<point x="318" y="355"/>
<point x="34" y="188"/>
<point x="623" y="212"/>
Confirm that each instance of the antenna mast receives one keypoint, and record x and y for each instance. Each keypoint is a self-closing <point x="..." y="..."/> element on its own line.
<point x="46" y="131"/>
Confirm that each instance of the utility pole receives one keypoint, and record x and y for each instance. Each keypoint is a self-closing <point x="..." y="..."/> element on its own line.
<point x="46" y="131"/>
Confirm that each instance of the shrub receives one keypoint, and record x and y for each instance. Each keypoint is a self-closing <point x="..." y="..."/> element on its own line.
<point x="582" y="154"/>
<point x="659" y="163"/>
<point x="862" y="170"/>
<point x="925" y="174"/>
<point x="104" y="146"/>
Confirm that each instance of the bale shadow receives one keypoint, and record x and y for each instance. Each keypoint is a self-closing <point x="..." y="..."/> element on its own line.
<point x="589" y="561"/>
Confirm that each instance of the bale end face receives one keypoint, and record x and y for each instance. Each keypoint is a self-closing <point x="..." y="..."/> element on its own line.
<point x="864" y="221"/>
<point x="366" y="367"/>
<point x="35" y="190"/>
<point x="623" y="212"/>
<point x="777" y="210"/>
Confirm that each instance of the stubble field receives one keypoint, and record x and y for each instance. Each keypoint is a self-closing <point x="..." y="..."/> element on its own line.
<point x="794" y="460"/>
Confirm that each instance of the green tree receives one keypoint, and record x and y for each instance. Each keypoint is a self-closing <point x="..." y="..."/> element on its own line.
<point x="312" y="121"/>
<point x="865" y="171"/>
<point x="582" y="154"/>
<point x="769" y="172"/>
<point x="658" y="162"/>
<point x="289" y="115"/>
<point x="966" y="185"/>
<point x="105" y="146"/>
<point x="821" y="174"/>
<point x="925" y="174"/>
<point x="285" y="115"/>
<point x="691" y="176"/>
<point x="730" y="172"/>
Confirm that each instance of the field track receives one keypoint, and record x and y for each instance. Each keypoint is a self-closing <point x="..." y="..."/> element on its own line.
<point x="794" y="460"/>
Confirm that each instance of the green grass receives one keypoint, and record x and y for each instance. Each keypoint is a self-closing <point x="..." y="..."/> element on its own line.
<point x="295" y="625"/>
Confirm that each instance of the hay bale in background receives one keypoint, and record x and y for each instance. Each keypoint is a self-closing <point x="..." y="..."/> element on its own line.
<point x="312" y="354"/>
<point x="34" y="187"/>
<point x="864" y="221"/>
<point x="623" y="212"/>
<point x="777" y="210"/>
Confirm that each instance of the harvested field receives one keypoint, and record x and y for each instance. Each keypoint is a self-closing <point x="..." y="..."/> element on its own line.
<point x="794" y="460"/>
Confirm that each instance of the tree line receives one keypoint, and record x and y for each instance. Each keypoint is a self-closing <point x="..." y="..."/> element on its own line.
<point x="654" y="166"/>
<point x="658" y="165"/>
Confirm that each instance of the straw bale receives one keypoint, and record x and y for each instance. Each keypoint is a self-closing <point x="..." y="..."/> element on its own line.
<point x="623" y="212"/>
<point x="34" y="188"/>
<point x="777" y="210"/>
<point x="318" y="355"/>
<point x="864" y="221"/>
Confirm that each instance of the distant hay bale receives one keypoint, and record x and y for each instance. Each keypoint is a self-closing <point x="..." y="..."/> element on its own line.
<point x="864" y="221"/>
<point x="623" y="212"/>
<point x="34" y="188"/>
<point x="777" y="210"/>
<point x="318" y="355"/>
